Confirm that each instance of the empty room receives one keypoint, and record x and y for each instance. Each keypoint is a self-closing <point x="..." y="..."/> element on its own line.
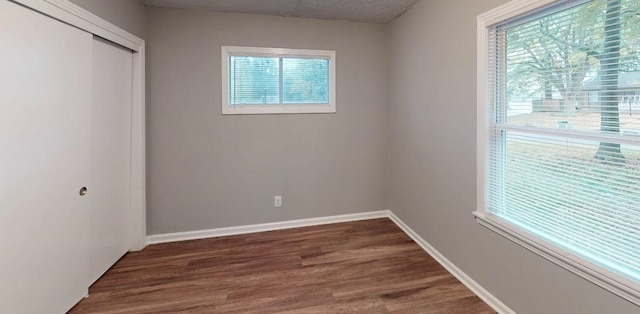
<point x="319" y="156"/>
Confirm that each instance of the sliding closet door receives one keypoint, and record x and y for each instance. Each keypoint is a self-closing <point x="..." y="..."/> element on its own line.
<point x="110" y="155"/>
<point x="45" y="92"/>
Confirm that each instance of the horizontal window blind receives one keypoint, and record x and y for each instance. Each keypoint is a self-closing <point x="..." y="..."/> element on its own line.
<point x="257" y="80"/>
<point x="305" y="80"/>
<point x="564" y="132"/>
<point x="254" y="80"/>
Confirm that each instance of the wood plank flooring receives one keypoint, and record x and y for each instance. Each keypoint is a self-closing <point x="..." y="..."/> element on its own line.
<point x="368" y="266"/>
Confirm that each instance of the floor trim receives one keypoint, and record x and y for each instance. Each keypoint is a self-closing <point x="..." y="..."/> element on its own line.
<point x="221" y="232"/>
<point x="475" y="287"/>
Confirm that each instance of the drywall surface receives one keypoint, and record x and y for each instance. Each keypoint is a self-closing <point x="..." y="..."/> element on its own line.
<point x="129" y="15"/>
<point x="433" y="163"/>
<point x="206" y="170"/>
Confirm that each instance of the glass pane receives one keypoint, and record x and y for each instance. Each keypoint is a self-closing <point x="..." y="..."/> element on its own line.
<point x="577" y="68"/>
<point x="305" y="81"/>
<point x="254" y="80"/>
<point x="558" y="188"/>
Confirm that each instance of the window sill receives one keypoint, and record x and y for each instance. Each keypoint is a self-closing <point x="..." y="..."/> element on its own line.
<point x="585" y="269"/>
<point x="278" y="109"/>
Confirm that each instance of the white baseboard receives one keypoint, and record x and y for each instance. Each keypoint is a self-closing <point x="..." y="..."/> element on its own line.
<point x="475" y="287"/>
<point x="221" y="232"/>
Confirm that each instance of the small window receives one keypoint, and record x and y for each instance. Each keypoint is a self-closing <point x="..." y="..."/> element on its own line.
<point x="274" y="80"/>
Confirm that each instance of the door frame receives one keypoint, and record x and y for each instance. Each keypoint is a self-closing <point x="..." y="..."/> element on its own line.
<point x="70" y="13"/>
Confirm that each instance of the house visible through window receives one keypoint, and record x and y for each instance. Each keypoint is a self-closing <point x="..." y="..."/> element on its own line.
<point x="270" y="80"/>
<point x="559" y="149"/>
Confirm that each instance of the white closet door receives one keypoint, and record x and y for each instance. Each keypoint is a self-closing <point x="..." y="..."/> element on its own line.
<point x="110" y="155"/>
<point x="45" y="92"/>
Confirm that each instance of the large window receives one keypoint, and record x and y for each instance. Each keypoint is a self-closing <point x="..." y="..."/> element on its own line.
<point x="559" y="134"/>
<point x="271" y="80"/>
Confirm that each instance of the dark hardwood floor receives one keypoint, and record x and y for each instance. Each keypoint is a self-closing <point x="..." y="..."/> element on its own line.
<point x="357" y="267"/>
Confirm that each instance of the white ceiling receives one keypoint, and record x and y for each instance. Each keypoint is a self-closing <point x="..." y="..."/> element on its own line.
<point x="370" y="11"/>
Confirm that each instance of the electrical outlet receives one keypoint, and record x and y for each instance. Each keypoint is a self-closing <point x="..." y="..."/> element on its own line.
<point x="277" y="201"/>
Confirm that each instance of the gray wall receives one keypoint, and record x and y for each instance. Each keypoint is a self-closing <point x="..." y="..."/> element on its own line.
<point x="433" y="163"/>
<point x="206" y="170"/>
<point x="406" y="91"/>
<point x="129" y="15"/>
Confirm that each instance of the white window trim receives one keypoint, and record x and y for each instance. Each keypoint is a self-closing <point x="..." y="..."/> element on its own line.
<point x="596" y="274"/>
<point x="227" y="108"/>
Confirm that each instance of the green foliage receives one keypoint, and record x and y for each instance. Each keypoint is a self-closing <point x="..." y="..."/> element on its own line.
<point x="558" y="52"/>
<point x="305" y="80"/>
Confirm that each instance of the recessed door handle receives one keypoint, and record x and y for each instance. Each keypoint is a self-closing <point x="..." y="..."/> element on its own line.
<point x="83" y="191"/>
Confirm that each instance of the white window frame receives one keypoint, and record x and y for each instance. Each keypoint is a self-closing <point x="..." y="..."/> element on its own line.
<point x="596" y="274"/>
<point x="228" y="108"/>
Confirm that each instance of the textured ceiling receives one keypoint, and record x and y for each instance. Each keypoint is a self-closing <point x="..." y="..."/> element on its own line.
<point x="370" y="11"/>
